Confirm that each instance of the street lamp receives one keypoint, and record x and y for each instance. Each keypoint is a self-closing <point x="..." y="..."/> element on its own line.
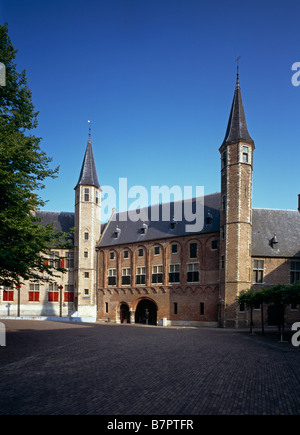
<point x="60" y="300"/>
<point x="18" y="287"/>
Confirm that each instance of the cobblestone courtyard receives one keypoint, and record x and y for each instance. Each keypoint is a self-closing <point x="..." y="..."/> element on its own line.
<point x="61" y="368"/>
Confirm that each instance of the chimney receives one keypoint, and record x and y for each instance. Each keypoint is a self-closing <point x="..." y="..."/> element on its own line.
<point x="299" y="202"/>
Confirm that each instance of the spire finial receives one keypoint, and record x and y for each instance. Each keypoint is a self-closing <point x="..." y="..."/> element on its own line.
<point x="237" y="71"/>
<point x="89" y="130"/>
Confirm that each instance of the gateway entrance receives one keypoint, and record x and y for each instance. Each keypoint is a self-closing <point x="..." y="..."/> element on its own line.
<point x="146" y="312"/>
<point x="124" y="314"/>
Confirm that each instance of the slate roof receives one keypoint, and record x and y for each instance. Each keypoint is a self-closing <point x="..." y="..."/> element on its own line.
<point x="237" y="126"/>
<point x="130" y="231"/>
<point x="88" y="174"/>
<point x="266" y="223"/>
<point x="63" y="221"/>
<point x="285" y="224"/>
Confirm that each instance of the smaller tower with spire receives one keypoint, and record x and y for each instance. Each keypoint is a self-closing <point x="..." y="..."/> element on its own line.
<point x="236" y="211"/>
<point x="87" y="234"/>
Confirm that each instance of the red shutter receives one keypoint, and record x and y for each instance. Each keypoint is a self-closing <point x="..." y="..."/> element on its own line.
<point x="69" y="297"/>
<point x="30" y="298"/>
<point x="52" y="296"/>
<point x="61" y="263"/>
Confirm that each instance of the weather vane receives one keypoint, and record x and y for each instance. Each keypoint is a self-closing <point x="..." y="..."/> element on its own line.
<point x="89" y="128"/>
<point x="237" y="63"/>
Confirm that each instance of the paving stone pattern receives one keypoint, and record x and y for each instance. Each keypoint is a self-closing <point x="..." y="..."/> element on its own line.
<point x="53" y="368"/>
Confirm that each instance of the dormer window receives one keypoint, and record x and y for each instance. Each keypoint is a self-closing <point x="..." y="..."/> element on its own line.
<point x="209" y="218"/>
<point x="173" y="224"/>
<point x="144" y="228"/>
<point x="274" y="241"/>
<point x="117" y="232"/>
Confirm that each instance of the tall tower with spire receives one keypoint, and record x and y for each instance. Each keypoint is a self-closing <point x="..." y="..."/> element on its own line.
<point x="87" y="234"/>
<point x="236" y="212"/>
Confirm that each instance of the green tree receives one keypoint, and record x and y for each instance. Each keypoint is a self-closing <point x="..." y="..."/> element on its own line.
<point x="24" y="242"/>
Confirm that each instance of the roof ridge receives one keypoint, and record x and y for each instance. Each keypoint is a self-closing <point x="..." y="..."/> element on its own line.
<point x="274" y="209"/>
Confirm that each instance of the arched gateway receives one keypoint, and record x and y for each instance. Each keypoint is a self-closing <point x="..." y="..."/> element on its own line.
<point x="146" y="312"/>
<point x="124" y="313"/>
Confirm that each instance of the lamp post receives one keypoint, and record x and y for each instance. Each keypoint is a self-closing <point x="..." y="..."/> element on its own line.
<point x="18" y="287"/>
<point x="60" y="300"/>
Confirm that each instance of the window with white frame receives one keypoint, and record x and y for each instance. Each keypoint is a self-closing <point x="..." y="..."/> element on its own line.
<point x="258" y="271"/>
<point x="157" y="274"/>
<point x="70" y="260"/>
<point x="69" y="293"/>
<point x="126" y="272"/>
<point x="34" y="293"/>
<point x="193" y="272"/>
<point x="54" y="259"/>
<point x="174" y="273"/>
<point x="112" y="276"/>
<point x="245" y="154"/>
<point x="53" y="292"/>
<point x="294" y="271"/>
<point x="140" y="275"/>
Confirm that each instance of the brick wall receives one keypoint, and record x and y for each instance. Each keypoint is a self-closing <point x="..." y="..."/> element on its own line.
<point x="195" y="301"/>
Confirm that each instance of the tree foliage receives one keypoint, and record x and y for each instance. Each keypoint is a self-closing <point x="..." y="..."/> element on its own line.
<point x="278" y="294"/>
<point x="24" y="243"/>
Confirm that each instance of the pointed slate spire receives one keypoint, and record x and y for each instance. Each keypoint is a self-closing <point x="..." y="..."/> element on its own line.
<point x="88" y="174"/>
<point x="237" y="127"/>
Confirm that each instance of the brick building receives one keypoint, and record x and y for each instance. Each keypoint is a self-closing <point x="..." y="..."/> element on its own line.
<point x="157" y="270"/>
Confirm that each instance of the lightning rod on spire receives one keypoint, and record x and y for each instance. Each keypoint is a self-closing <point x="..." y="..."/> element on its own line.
<point x="237" y="70"/>
<point x="89" y="129"/>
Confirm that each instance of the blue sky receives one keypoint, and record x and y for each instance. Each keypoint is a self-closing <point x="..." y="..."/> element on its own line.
<point x="156" y="78"/>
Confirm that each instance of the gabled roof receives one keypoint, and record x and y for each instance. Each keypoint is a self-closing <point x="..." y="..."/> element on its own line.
<point x="88" y="174"/>
<point x="237" y="127"/>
